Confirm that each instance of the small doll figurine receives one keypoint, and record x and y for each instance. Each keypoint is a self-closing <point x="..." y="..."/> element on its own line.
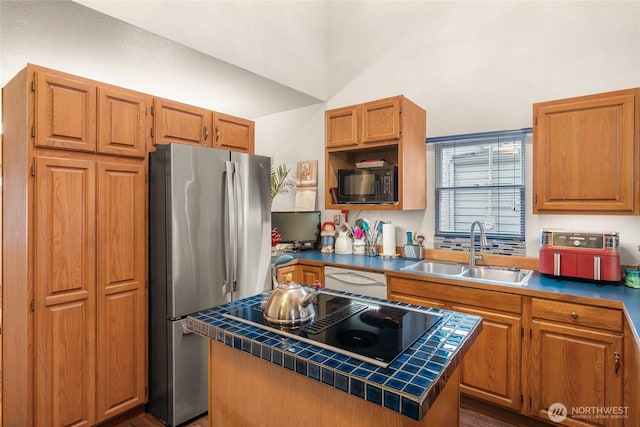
<point x="328" y="236"/>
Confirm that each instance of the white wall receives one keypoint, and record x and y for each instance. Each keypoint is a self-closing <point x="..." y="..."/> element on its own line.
<point x="290" y="137"/>
<point x="284" y="41"/>
<point x="69" y="37"/>
<point x="479" y="66"/>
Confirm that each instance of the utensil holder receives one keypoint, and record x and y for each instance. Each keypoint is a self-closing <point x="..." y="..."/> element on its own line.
<point x="412" y="252"/>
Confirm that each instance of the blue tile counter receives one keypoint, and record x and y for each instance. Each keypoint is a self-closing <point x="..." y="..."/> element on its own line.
<point x="621" y="296"/>
<point x="409" y="386"/>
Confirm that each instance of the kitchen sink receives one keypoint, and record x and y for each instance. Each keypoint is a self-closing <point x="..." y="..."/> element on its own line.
<point x="511" y="276"/>
<point x="481" y="274"/>
<point x="436" y="267"/>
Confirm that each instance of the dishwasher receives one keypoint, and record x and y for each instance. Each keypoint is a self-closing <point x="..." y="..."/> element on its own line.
<point x="356" y="281"/>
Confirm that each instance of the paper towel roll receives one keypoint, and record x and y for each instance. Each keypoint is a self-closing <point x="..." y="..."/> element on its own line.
<point x="388" y="240"/>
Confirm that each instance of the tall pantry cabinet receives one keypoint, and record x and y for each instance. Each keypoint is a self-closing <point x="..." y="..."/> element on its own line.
<point x="74" y="246"/>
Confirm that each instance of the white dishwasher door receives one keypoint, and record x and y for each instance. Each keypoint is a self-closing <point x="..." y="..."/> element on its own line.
<point x="356" y="281"/>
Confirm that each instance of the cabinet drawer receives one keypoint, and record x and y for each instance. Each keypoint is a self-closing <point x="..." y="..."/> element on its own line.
<point x="577" y="314"/>
<point x="425" y="290"/>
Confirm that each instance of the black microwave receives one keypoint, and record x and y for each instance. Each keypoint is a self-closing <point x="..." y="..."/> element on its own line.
<point x="368" y="185"/>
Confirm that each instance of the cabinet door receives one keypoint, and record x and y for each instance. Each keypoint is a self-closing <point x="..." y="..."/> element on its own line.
<point x="234" y="133"/>
<point x="286" y="274"/>
<point x="491" y="369"/>
<point x="584" y="155"/>
<point x="64" y="292"/>
<point x="307" y="274"/>
<point x="181" y="123"/>
<point x="121" y="293"/>
<point x="122" y="121"/>
<point x="381" y="120"/>
<point x="577" y="368"/>
<point x="341" y="127"/>
<point x="65" y="112"/>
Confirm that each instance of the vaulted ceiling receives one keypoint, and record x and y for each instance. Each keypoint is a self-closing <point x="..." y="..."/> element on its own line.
<point x="284" y="41"/>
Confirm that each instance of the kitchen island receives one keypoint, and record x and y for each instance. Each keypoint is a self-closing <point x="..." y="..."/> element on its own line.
<point x="260" y="377"/>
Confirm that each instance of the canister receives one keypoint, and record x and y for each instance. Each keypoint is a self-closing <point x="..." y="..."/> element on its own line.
<point x="358" y="247"/>
<point x="632" y="278"/>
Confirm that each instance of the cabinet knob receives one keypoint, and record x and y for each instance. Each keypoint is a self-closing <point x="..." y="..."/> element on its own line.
<point x="574" y="315"/>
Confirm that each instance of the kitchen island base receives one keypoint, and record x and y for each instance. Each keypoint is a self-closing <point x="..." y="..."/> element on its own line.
<point x="244" y="391"/>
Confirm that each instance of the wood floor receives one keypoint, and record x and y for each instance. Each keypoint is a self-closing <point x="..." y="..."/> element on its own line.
<point x="470" y="416"/>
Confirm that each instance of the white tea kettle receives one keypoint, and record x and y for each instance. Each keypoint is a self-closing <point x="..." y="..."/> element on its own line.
<point x="290" y="304"/>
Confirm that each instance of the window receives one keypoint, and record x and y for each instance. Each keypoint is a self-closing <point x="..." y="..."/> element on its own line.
<point x="480" y="177"/>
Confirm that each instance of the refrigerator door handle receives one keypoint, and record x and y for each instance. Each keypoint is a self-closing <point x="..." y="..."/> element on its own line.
<point x="230" y="225"/>
<point x="236" y="231"/>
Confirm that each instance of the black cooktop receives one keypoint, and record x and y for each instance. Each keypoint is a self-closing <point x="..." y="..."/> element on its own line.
<point x="359" y="328"/>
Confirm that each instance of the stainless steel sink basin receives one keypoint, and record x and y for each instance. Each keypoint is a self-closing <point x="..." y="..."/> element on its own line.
<point x="495" y="274"/>
<point x="436" y="267"/>
<point x="480" y="274"/>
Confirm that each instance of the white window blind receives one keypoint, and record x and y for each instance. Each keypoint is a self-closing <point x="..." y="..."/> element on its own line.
<point x="480" y="177"/>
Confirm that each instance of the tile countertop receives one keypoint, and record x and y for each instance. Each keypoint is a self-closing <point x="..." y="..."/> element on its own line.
<point x="409" y="385"/>
<point x="539" y="284"/>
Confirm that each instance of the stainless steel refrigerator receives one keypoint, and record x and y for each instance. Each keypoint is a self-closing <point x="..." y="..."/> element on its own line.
<point x="209" y="244"/>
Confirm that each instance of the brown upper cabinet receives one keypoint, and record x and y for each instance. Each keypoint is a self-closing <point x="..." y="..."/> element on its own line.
<point x="65" y="111"/>
<point x="79" y="114"/>
<point x="233" y="133"/>
<point x="123" y="121"/>
<point x="586" y="154"/>
<point x="393" y="129"/>
<point x="74" y="113"/>
<point x="341" y="127"/>
<point x="381" y="120"/>
<point x="174" y="122"/>
<point x="375" y="121"/>
<point x="186" y="124"/>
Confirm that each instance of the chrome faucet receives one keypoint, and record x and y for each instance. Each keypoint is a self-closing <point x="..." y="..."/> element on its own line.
<point x="472" y="243"/>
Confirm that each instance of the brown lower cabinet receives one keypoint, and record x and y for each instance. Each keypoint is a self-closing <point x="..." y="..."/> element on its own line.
<point x="301" y="273"/>
<point x="575" y="365"/>
<point x="535" y="352"/>
<point x="90" y="297"/>
<point x="491" y="369"/>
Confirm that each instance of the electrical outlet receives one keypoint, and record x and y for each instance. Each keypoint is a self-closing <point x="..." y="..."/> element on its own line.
<point x="336" y="219"/>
